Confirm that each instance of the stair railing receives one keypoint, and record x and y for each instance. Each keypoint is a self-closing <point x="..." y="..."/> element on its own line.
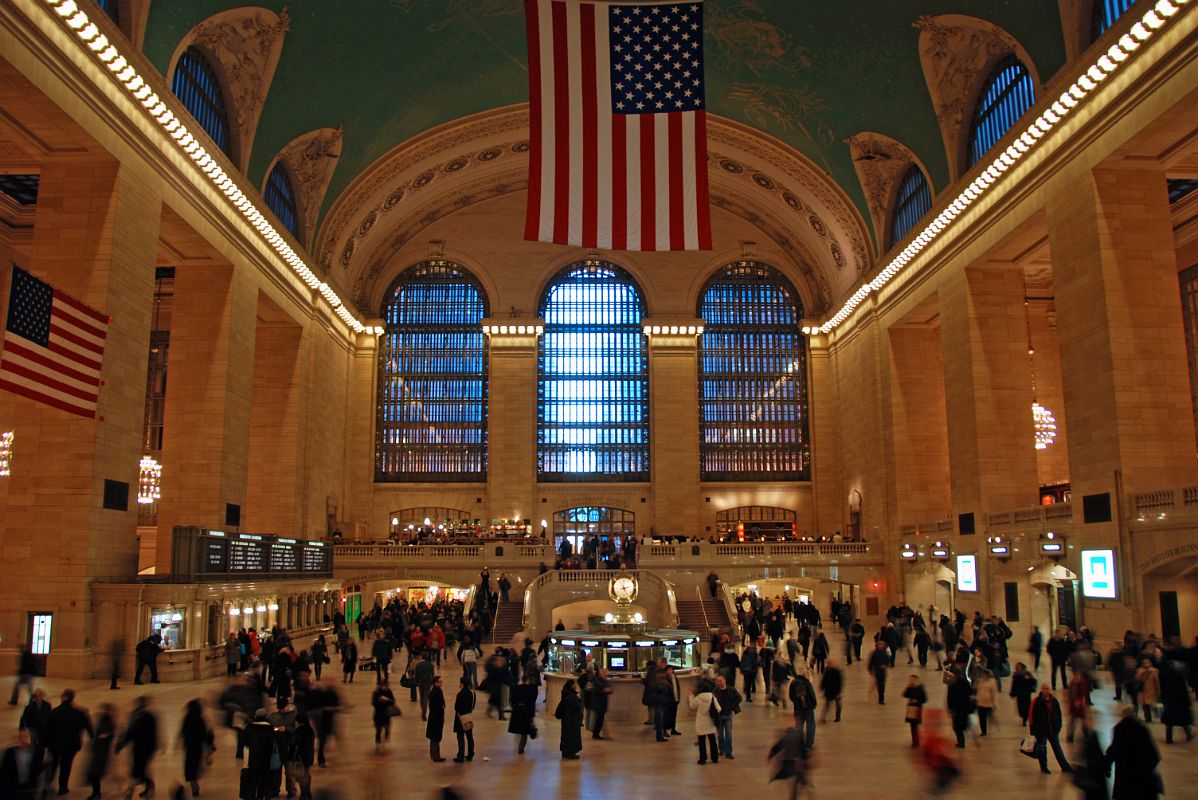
<point x="703" y="608"/>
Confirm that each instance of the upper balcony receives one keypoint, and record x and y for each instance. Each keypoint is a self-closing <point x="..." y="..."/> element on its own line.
<point x="1165" y="508"/>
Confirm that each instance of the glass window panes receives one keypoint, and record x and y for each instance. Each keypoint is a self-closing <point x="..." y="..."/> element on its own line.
<point x="593" y="387"/>
<point x="913" y="201"/>
<point x="1006" y="95"/>
<point x="432" y="390"/>
<point x="41" y="626"/>
<point x="752" y="377"/>
<point x="1105" y="14"/>
<point x="281" y="198"/>
<point x="196" y="85"/>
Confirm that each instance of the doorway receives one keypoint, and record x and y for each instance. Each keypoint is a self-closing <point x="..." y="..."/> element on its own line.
<point x="1170" y="617"/>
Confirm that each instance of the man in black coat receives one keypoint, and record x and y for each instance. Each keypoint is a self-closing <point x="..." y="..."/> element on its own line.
<point x="600" y="687"/>
<point x="142" y="738"/>
<point x="1044" y="722"/>
<point x="961" y="705"/>
<point x="36" y="719"/>
<point x="147" y="656"/>
<point x="879" y="664"/>
<point x="65" y="739"/>
<point x="1134" y="755"/>
<point x="260" y="742"/>
<point x="831" y="686"/>
<point x="1059" y="648"/>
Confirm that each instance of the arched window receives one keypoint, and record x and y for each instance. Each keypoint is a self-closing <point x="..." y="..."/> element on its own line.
<point x="281" y="198"/>
<point x="1006" y="95"/>
<point x="196" y="85"/>
<point x="752" y="377"/>
<point x="593" y="387"/>
<point x="1105" y="13"/>
<point x="111" y="8"/>
<point x="913" y="201"/>
<point x="432" y="393"/>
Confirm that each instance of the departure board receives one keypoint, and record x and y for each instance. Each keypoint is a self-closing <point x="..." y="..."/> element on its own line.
<point x="199" y="553"/>
<point x="247" y="556"/>
<point x="283" y="558"/>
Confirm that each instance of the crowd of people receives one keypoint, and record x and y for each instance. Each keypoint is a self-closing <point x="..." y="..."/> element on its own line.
<point x="283" y="715"/>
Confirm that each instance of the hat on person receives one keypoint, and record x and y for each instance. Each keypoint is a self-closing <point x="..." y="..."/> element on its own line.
<point x="260" y="714"/>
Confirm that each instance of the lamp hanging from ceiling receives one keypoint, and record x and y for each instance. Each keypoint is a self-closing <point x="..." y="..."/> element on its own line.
<point x="1044" y="424"/>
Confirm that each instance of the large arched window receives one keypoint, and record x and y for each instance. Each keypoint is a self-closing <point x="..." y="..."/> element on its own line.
<point x="1105" y="13"/>
<point x="913" y="201"/>
<point x="281" y="198"/>
<point x="593" y="388"/>
<point x="195" y="83"/>
<point x="1008" y="93"/>
<point x="432" y="393"/>
<point x="752" y="377"/>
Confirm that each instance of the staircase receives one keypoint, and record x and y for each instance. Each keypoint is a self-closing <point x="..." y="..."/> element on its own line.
<point x="509" y="621"/>
<point x="691" y="614"/>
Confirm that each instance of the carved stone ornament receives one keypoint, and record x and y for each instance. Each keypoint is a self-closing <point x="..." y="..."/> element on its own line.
<point x="880" y="163"/>
<point x="245" y="44"/>
<point x="957" y="52"/>
<point x="311" y="160"/>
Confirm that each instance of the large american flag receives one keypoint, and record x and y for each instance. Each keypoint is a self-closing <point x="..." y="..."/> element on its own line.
<point x="618" y="126"/>
<point x="53" y="346"/>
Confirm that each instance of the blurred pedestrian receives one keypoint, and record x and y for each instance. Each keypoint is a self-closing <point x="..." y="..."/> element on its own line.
<point x="917" y="698"/>
<point x="198" y="744"/>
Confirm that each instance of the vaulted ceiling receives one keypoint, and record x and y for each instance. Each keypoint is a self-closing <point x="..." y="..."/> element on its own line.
<point x="810" y="74"/>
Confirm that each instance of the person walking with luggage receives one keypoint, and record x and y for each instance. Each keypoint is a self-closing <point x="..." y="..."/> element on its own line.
<point x="1044" y="722"/>
<point x="463" y="721"/>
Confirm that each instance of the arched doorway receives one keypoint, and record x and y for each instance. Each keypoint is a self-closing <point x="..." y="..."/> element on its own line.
<point x="580" y="530"/>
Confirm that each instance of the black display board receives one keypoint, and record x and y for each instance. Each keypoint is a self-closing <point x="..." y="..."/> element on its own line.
<point x="201" y="554"/>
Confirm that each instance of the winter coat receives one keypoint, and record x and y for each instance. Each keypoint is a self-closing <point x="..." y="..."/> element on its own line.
<point x="1044" y="718"/>
<point x="986" y="692"/>
<point x="1150" y="685"/>
<point x="569" y="711"/>
<point x="463" y="704"/>
<point x="524" y="709"/>
<point x="701" y="704"/>
<point x="435" y="727"/>
<point x="1134" y="756"/>
<point x="1176" y="697"/>
<point x="67" y="724"/>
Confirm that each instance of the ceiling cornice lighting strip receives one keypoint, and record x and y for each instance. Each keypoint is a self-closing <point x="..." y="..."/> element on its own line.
<point x="1149" y="24"/>
<point x="109" y="55"/>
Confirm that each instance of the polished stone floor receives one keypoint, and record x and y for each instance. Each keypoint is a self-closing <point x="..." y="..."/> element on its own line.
<point x="867" y="755"/>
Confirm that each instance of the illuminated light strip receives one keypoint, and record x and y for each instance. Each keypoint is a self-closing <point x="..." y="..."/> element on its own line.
<point x="672" y="330"/>
<point x="107" y="53"/>
<point x="1104" y="66"/>
<point x="491" y="330"/>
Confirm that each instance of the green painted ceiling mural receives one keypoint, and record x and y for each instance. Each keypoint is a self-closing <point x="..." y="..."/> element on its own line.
<point x="809" y="73"/>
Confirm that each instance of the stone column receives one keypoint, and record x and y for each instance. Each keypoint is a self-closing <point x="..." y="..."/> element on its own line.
<point x="920" y="473"/>
<point x="206" y="432"/>
<point x="1123" y="355"/>
<point x="275" y="475"/>
<point x="674" y="431"/>
<point x="823" y="410"/>
<point x="95" y="237"/>
<point x="512" y="424"/>
<point x="988" y="391"/>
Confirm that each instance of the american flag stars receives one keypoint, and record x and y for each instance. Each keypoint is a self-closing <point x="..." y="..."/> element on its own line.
<point x="656" y="58"/>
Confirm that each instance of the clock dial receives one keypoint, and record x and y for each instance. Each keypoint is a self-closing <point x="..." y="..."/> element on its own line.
<point x="624" y="587"/>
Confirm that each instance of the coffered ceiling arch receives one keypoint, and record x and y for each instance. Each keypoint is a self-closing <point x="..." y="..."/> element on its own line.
<point x="453" y="166"/>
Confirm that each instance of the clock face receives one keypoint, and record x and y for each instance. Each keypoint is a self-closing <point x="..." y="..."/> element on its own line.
<point x="624" y="588"/>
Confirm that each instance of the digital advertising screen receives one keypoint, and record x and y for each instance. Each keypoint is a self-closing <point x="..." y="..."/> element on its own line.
<point x="1098" y="574"/>
<point x="967" y="573"/>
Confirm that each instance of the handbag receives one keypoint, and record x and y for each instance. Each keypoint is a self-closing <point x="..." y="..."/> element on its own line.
<point x="914" y="713"/>
<point x="1027" y="746"/>
<point x="467" y="721"/>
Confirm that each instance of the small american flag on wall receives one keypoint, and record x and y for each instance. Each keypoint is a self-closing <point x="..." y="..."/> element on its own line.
<point x="618" y="126"/>
<point x="53" y="346"/>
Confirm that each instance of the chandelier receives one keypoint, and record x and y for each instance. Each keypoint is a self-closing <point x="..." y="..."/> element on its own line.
<point x="149" y="481"/>
<point x="1044" y="425"/>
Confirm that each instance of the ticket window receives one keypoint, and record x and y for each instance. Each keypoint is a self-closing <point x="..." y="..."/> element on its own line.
<point x="169" y="623"/>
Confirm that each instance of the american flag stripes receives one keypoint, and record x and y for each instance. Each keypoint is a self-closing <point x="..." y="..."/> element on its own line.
<point x="53" y="346"/>
<point x="618" y="155"/>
